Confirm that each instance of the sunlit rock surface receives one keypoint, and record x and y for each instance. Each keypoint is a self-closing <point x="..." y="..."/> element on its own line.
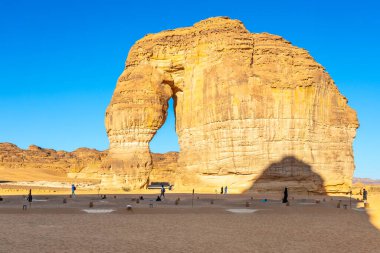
<point x="36" y="163"/>
<point x="83" y="164"/>
<point x="243" y="102"/>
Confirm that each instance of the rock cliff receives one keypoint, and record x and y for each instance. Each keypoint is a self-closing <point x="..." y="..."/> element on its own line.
<point x="36" y="163"/>
<point x="83" y="164"/>
<point x="243" y="102"/>
<point x="164" y="167"/>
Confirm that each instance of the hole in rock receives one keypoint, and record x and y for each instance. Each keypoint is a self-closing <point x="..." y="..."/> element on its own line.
<point x="166" y="139"/>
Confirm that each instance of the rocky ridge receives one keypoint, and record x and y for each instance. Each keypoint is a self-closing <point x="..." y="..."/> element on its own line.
<point x="36" y="163"/>
<point x="40" y="164"/>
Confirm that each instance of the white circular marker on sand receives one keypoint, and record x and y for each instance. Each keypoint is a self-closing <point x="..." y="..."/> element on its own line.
<point x="98" y="210"/>
<point x="242" y="210"/>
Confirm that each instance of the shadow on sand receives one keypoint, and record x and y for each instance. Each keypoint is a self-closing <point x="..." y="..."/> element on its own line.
<point x="305" y="186"/>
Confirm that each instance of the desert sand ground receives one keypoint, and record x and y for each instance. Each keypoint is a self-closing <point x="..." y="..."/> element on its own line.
<point x="191" y="226"/>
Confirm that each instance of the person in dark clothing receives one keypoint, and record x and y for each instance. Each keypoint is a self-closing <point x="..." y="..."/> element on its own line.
<point x="365" y="195"/>
<point x="30" y="198"/>
<point x="221" y="190"/>
<point x="73" y="189"/>
<point x="162" y="191"/>
<point x="285" y="199"/>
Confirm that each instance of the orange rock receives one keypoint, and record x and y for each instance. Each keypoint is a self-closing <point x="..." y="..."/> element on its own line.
<point x="243" y="101"/>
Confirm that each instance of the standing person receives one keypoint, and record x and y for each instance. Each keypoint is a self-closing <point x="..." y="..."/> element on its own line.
<point x="221" y="190"/>
<point x="365" y="194"/>
<point x="73" y="189"/>
<point x="285" y="199"/>
<point x="225" y="190"/>
<point x="162" y="191"/>
<point x="30" y="198"/>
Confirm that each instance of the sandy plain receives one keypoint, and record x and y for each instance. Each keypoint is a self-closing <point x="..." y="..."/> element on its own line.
<point x="194" y="225"/>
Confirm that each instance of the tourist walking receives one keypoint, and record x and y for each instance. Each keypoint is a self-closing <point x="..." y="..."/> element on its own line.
<point x="285" y="199"/>
<point x="365" y="195"/>
<point x="30" y="198"/>
<point x="73" y="189"/>
<point x="225" y="190"/>
<point x="221" y="190"/>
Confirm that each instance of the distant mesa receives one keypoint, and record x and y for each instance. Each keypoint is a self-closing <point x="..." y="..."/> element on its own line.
<point x="253" y="112"/>
<point x="36" y="163"/>
<point x="366" y="181"/>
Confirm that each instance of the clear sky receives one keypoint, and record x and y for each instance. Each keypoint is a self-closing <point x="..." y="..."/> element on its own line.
<point x="59" y="61"/>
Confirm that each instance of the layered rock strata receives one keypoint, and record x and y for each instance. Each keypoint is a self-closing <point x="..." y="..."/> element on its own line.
<point x="36" y="163"/>
<point x="243" y="102"/>
<point x="164" y="167"/>
<point x="83" y="164"/>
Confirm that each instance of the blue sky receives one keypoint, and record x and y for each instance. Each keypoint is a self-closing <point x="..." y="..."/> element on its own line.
<point x="59" y="61"/>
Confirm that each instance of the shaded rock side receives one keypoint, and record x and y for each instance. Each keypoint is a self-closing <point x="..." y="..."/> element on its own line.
<point x="164" y="167"/>
<point x="243" y="102"/>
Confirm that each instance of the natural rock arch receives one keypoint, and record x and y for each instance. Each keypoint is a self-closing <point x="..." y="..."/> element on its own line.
<point x="242" y="101"/>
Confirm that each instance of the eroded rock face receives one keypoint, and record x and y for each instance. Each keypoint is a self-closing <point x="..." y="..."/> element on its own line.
<point x="36" y="163"/>
<point x="83" y="164"/>
<point x="243" y="103"/>
<point x="164" y="167"/>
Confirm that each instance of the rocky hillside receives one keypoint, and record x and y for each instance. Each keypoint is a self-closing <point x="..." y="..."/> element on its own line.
<point x="42" y="164"/>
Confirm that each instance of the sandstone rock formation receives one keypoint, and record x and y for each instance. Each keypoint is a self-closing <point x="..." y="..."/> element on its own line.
<point x="81" y="165"/>
<point x="243" y="102"/>
<point x="36" y="163"/>
<point x="164" y="167"/>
